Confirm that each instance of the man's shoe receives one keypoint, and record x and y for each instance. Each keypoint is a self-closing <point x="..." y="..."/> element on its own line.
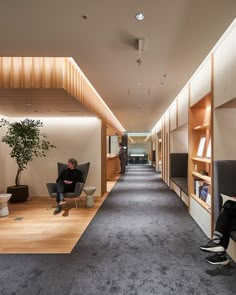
<point x="217" y="259"/>
<point x="211" y="246"/>
<point x="57" y="210"/>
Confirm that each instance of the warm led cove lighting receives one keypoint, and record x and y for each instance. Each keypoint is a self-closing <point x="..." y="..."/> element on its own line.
<point x="139" y="16"/>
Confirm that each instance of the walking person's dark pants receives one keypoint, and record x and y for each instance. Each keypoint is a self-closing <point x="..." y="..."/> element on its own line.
<point x="122" y="166"/>
<point x="226" y="222"/>
<point x="63" y="188"/>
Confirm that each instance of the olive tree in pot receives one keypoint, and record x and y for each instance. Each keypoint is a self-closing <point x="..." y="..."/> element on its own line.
<point x="26" y="142"/>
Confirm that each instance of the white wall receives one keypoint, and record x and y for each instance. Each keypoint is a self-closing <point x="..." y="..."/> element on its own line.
<point x="173" y="115"/>
<point x="182" y="99"/>
<point x="225" y="70"/>
<point x="224" y="134"/>
<point x="79" y="138"/>
<point x="114" y="145"/>
<point x="201" y="83"/>
<point x="179" y="140"/>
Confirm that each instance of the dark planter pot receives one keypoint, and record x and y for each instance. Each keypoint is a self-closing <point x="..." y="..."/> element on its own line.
<point x="19" y="193"/>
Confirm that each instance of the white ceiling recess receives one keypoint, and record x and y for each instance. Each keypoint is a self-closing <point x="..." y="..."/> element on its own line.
<point x="101" y="36"/>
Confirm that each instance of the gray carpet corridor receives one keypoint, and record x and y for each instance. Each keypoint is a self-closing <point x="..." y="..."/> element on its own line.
<point x="141" y="242"/>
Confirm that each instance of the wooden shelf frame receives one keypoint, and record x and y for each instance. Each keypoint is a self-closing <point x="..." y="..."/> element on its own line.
<point x="201" y="159"/>
<point x="203" y="177"/>
<point x="200" y="125"/>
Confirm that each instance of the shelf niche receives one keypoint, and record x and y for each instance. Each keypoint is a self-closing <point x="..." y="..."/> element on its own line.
<point x="200" y="166"/>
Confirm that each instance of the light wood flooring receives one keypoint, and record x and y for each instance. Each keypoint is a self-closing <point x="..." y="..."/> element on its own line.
<point x="32" y="228"/>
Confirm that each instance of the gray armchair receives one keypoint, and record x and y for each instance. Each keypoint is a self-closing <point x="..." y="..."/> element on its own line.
<point x="52" y="187"/>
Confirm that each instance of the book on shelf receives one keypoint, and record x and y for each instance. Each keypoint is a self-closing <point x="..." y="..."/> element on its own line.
<point x="198" y="183"/>
<point x="201" y="147"/>
<point x="227" y="198"/>
<point x="208" y="153"/>
<point x="204" y="191"/>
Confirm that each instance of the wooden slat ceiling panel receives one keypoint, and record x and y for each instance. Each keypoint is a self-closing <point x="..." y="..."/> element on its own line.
<point x="49" y="85"/>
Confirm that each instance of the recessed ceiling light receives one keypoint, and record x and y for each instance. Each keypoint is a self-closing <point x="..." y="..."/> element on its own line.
<point x="162" y="83"/>
<point x="165" y="76"/>
<point x="28" y="103"/>
<point x="139" y="83"/>
<point x="139" y="16"/>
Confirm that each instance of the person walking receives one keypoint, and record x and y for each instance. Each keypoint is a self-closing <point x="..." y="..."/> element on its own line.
<point x="122" y="157"/>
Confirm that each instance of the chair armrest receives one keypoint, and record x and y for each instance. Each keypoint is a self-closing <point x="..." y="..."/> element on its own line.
<point x="52" y="188"/>
<point x="78" y="188"/>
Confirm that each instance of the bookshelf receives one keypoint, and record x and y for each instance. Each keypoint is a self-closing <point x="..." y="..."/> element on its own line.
<point x="200" y="162"/>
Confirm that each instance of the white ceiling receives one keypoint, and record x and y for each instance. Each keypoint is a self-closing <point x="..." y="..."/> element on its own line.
<point x="178" y="36"/>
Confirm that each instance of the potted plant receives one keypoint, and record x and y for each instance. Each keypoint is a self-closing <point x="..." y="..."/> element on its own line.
<point x="26" y="142"/>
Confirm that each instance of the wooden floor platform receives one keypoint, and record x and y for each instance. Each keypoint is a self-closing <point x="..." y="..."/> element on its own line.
<point x="32" y="228"/>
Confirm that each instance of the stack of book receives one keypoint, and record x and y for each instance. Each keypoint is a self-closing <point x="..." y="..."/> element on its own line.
<point x="202" y="190"/>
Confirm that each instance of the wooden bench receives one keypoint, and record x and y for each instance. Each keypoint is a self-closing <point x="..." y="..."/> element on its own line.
<point x="178" y="175"/>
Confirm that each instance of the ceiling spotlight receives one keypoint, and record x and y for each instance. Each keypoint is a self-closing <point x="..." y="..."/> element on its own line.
<point x="139" y="16"/>
<point x="139" y="83"/>
<point x="28" y="103"/>
<point x="165" y="76"/>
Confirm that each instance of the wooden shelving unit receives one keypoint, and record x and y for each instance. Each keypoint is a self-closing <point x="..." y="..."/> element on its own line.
<point x="204" y="160"/>
<point x="203" y="177"/>
<point x="200" y="167"/>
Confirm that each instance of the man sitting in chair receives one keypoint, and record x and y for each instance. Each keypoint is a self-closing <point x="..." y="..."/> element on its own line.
<point x="66" y="182"/>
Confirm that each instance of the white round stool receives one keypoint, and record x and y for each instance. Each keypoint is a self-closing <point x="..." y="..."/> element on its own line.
<point x="89" y="191"/>
<point x="4" y="198"/>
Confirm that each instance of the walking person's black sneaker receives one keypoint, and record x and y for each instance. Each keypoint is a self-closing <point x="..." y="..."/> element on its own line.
<point x="217" y="259"/>
<point x="57" y="210"/>
<point x="211" y="246"/>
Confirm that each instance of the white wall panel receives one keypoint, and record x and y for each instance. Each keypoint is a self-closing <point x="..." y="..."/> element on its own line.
<point x="183" y="101"/>
<point x="166" y="121"/>
<point x="201" y="216"/>
<point x="173" y="115"/>
<point x="201" y="83"/>
<point x="225" y="70"/>
<point x="179" y="141"/>
<point x="224" y="133"/>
